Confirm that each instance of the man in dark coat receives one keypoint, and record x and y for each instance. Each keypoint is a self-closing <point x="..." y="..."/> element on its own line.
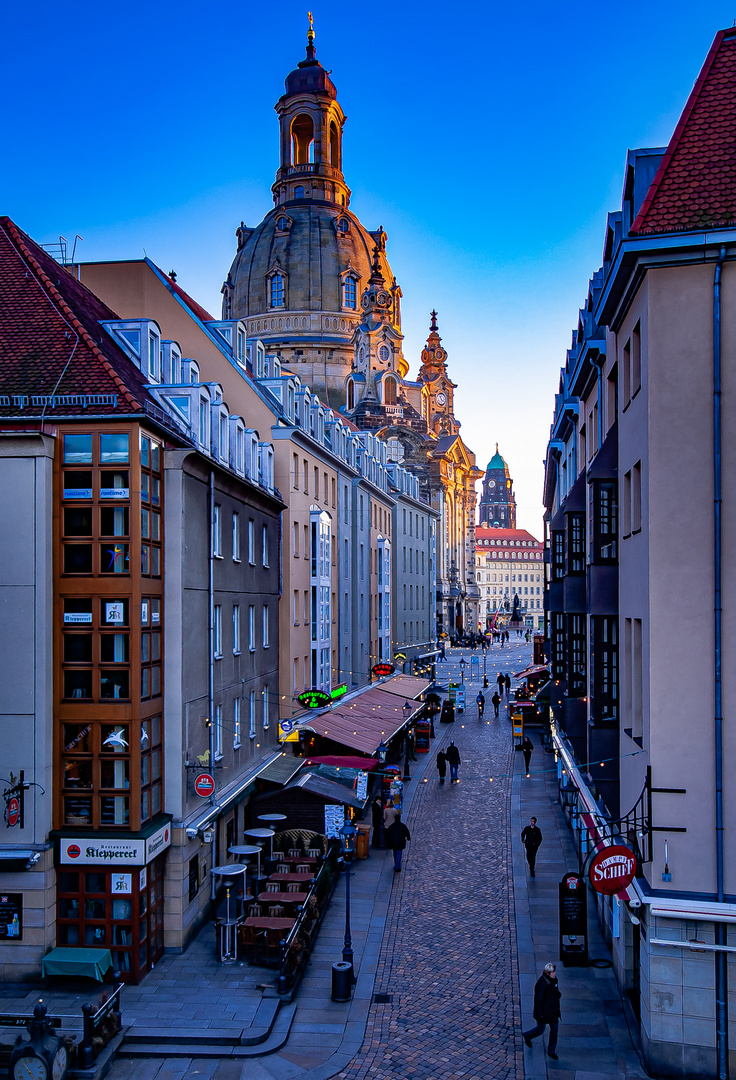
<point x="501" y="683"/>
<point x="546" y="1009"/>
<point x="481" y="703"/>
<point x="531" y="838"/>
<point x="396" y="836"/>
<point x="377" y="816"/>
<point x="527" y="749"/>
<point x="507" y="683"/>
<point x="496" y="702"/>
<point x="453" y="759"/>
<point x="442" y="765"/>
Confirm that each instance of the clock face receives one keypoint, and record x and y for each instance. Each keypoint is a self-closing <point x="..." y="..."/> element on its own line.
<point x="30" y="1068"/>
<point x="441" y="398"/>
<point x="492" y="484"/>
<point x="60" y="1063"/>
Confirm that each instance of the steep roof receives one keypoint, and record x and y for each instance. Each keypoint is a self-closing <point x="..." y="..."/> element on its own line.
<point x="695" y="185"/>
<point x="504" y="537"/>
<point x="51" y="341"/>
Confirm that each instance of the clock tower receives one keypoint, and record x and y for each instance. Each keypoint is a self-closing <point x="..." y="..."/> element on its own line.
<point x="437" y="387"/>
<point x="497" y="501"/>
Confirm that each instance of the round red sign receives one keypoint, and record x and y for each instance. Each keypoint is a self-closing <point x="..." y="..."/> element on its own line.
<point x="204" y="785"/>
<point x="13" y="811"/>
<point x="612" y="869"/>
<point x="73" y="851"/>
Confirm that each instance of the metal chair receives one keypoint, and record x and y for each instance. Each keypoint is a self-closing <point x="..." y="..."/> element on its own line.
<point x="313" y="853"/>
<point x="255" y="911"/>
<point x="303" y="868"/>
<point x="276" y="911"/>
<point x="295" y="853"/>
<point x="273" y="886"/>
<point x="293" y="886"/>
<point x="283" y="868"/>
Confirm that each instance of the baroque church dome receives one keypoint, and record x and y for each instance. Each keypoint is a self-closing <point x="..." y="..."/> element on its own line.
<point x="298" y="277"/>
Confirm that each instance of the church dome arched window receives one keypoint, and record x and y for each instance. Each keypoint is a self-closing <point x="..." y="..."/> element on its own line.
<point x="277" y="290"/>
<point x="389" y="392"/>
<point x="349" y="292"/>
<point x="302" y="139"/>
<point x="351" y="395"/>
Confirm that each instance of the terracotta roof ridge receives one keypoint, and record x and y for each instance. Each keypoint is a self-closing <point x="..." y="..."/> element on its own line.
<point x="639" y="222"/>
<point x="19" y="239"/>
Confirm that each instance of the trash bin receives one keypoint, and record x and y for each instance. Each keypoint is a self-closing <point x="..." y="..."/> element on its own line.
<point x="362" y="841"/>
<point x="342" y="981"/>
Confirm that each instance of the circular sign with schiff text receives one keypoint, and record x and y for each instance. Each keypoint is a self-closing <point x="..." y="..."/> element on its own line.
<point x="13" y="811"/>
<point x="612" y="869"/>
<point x="204" y="785"/>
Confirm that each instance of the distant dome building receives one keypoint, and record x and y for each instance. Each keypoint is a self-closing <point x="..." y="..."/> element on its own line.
<point x="298" y="277"/>
<point x="497" y="501"/>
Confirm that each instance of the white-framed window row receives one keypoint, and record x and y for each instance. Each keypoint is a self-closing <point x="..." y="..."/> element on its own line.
<point x="252" y="714"/>
<point x="217" y="636"/>
<point x="236" y="537"/>
<point x="265" y="628"/>
<point x="251" y="628"/>
<point x="217" y="531"/>
<point x="217" y="740"/>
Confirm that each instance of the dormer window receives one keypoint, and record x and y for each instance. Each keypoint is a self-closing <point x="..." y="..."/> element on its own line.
<point x="240" y="353"/>
<point x="344" y="225"/>
<point x="154" y="356"/>
<point x="350" y="292"/>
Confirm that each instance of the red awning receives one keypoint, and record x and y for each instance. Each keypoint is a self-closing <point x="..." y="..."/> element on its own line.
<point x="537" y="669"/>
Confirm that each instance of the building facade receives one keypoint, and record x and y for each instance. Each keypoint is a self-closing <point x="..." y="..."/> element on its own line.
<point x="509" y="570"/>
<point x="643" y="415"/>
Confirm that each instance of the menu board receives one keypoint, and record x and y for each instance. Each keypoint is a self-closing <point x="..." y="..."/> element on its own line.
<point x="334" y="820"/>
<point x="361" y="791"/>
<point x="11" y="916"/>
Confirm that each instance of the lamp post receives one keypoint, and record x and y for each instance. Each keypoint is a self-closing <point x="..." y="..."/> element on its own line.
<point x="462" y="670"/>
<point x="407" y="713"/>
<point x="382" y="754"/>
<point x="347" y="839"/>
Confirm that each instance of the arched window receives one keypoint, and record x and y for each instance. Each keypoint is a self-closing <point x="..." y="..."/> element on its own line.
<point x="298" y="192"/>
<point x="302" y="139"/>
<point x="344" y="225"/>
<point x="389" y="392"/>
<point x="278" y="290"/>
<point x="351" y="395"/>
<point x="349" y="292"/>
<point x="334" y="146"/>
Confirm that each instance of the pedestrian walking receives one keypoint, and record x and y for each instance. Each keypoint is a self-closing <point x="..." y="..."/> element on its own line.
<point x="527" y="748"/>
<point x="442" y="651"/>
<point x="442" y="766"/>
<point x="500" y="681"/>
<point x="496" y="702"/>
<point x="453" y="760"/>
<point x="377" y="816"/>
<point x="390" y="811"/>
<point x="396" y="836"/>
<point x="481" y="703"/>
<point x="531" y="838"/>
<point x="546" y="1009"/>
<point x="507" y="683"/>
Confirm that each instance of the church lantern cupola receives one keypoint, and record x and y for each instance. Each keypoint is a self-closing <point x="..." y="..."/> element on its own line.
<point x="311" y="122"/>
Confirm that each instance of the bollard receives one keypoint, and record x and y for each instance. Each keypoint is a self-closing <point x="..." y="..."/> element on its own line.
<point x="117" y="1012"/>
<point x="282" y="986"/>
<point x="342" y="981"/>
<point x="86" y="1053"/>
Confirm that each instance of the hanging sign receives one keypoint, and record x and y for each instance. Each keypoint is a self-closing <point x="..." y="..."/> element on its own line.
<point x="204" y="785"/>
<point x="338" y="691"/>
<point x="12" y="811"/>
<point x="361" y="787"/>
<point x="612" y="869"/>
<point x="334" y="821"/>
<point x="400" y="657"/>
<point x="288" y="731"/>
<point x="314" y="699"/>
<point x="381" y="670"/>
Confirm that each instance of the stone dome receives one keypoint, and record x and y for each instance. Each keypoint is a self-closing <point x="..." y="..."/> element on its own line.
<point x="309" y="77"/>
<point x="313" y="253"/>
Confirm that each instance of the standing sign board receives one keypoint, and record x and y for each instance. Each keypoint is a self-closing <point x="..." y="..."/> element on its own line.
<point x="11" y="916"/>
<point x="460" y="699"/>
<point x="452" y="691"/>
<point x="334" y="821"/>
<point x="361" y="788"/>
<point x="517" y="725"/>
<point x="573" y="921"/>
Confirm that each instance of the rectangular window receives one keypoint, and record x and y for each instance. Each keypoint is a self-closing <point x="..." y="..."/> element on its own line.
<point x="218" y="731"/>
<point x="251" y="542"/>
<point x="558" y="556"/>
<point x="636" y="498"/>
<point x="265" y="705"/>
<point x="559" y="652"/>
<point x="236" y="537"/>
<point x="252" y="628"/>
<point x="295" y="608"/>
<point x="577" y="676"/>
<point x="305" y="470"/>
<point x="236" y="723"/>
<point x="627" y="504"/>
<point x="252" y="715"/>
<point x="315" y="489"/>
<point x="217" y="531"/>
<point x="218" y="631"/>
<point x="77" y="449"/>
<point x="295" y="471"/>
<point x="636" y="360"/>
<point x="605" y="521"/>
<point x="264" y="545"/>
<point x="604" y="689"/>
<point x="193" y="877"/>
<point x="295" y="539"/>
<point x="265" y="626"/>
<point x="575" y="544"/>
<point x="626" y="361"/>
<point x="236" y="628"/>
<point x="114" y="448"/>
<point x="637" y="688"/>
<point x="306" y="607"/>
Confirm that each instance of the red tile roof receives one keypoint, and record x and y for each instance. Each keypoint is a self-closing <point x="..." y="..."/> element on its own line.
<point x="509" y="536"/>
<point x="192" y="304"/>
<point x="50" y="338"/>
<point x="695" y="185"/>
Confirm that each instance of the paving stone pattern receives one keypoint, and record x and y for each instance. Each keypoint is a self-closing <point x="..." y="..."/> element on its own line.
<point x="448" y="957"/>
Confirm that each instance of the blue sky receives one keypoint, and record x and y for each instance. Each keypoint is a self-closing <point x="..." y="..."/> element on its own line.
<point x="488" y="140"/>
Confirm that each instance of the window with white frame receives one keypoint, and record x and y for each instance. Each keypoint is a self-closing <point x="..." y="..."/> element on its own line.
<point x="217" y="644"/>
<point x="236" y="723"/>
<point x="264" y="545"/>
<point x="252" y="627"/>
<point x="217" y="531"/>
<point x="218" y="732"/>
<point x="349" y="292"/>
<point x="295" y="538"/>
<point x="236" y="537"/>
<point x="236" y="628"/>
<point x="154" y="356"/>
<point x="264" y="700"/>
<point x="222" y="447"/>
<point x="277" y="290"/>
<point x="265" y="626"/>
<point x="203" y="418"/>
<point x="251" y="542"/>
<point x="239" y="449"/>
<point x="252" y="715"/>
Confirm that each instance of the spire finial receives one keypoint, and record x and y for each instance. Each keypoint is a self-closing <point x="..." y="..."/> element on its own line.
<point x="433" y="324"/>
<point x="496" y="447"/>
<point x="310" y="31"/>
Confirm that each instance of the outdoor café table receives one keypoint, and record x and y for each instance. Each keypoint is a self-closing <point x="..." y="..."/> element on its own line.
<point x="272" y="820"/>
<point x="282" y="897"/>
<point x="285" y="879"/>
<point x="302" y="860"/>
<point x="260" y="922"/>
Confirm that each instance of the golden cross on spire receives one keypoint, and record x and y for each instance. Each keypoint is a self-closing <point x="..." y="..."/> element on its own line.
<point x="310" y="32"/>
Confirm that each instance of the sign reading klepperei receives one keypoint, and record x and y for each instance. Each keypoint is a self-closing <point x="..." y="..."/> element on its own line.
<point x="97" y="850"/>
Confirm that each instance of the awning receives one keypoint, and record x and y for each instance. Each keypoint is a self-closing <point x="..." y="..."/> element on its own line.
<point x="328" y="790"/>
<point x="406" y="686"/>
<point x="91" y="963"/>
<point x="536" y="669"/>
<point x="227" y="797"/>
<point x="367" y="721"/>
<point x="281" y="769"/>
<point x="341" y="762"/>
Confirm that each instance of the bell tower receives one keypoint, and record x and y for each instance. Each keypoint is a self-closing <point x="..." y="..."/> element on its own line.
<point x="437" y="391"/>
<point x="311" y="122"/>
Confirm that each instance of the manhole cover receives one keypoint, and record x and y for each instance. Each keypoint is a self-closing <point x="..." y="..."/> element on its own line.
<point x="382" y="999"/>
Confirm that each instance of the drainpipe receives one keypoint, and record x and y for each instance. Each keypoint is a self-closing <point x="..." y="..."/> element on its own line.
<point x="721" y="958"/>
<point x="211" y="665"/>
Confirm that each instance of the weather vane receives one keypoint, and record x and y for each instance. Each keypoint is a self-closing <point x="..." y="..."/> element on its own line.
<point x="310" y="32"/>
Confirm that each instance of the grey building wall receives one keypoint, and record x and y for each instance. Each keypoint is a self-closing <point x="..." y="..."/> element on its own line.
<point x="26" y="688"/>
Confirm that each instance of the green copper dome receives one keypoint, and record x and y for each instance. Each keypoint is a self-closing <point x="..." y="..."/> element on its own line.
<point x="497" y="461"/>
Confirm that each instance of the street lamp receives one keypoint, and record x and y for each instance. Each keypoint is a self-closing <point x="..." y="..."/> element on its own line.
<point x="347" y="839"/>
<point x="382" y="753"/>
<point x="407" y="713"/>
<point x="462" y="670"/>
